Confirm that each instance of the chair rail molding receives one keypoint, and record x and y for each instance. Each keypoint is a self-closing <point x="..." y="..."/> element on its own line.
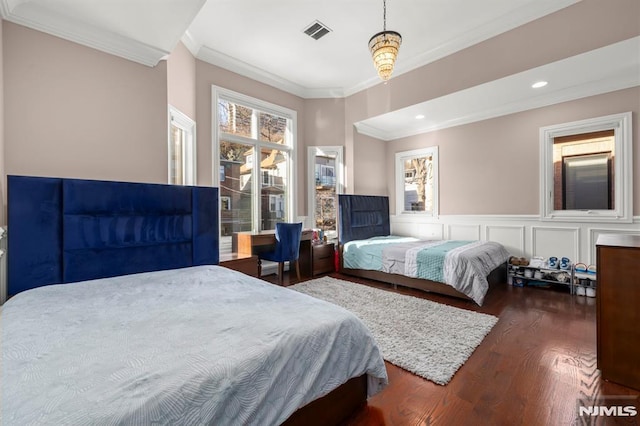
<point x="522" y="235"/>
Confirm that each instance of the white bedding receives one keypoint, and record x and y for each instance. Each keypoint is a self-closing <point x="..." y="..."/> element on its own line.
<point x="201" y="345"/>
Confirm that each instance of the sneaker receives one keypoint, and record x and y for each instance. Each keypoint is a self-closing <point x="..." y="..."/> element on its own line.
<point x="580" y="291"/>
<point x="591" y="292"/>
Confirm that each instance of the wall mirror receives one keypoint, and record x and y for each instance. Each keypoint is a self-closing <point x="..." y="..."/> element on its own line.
<point x="326" y="181"/>
<point x="586" y="170"/>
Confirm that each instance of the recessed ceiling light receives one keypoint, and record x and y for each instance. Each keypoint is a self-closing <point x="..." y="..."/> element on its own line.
<point x="539" y="84"/>
<point x="419" y="117"/>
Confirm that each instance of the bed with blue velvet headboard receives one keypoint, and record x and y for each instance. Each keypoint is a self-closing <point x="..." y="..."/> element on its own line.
<point x="368" y="249"/>
<point x="119" y="313"/>
<point x="69" y="230"/>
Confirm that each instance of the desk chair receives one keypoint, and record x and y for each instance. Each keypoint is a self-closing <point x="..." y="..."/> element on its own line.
<point x="287" y="248"/>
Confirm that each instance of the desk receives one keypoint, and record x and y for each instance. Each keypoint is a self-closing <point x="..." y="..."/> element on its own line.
<point x="253" y="243"/>
<point x="244" y="263"/>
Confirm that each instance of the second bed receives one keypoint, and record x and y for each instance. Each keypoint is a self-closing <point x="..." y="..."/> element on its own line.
<point x="456" y="268"/>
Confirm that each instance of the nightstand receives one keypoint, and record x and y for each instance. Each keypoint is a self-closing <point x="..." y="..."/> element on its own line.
<point x="245" y="263"/>
<point x="323" y="258"/>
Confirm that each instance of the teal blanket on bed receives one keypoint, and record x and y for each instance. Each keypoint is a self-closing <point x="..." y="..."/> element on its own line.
<point x="430" y="260"/>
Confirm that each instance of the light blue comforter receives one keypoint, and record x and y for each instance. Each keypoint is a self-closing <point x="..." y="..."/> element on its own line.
<point x="201" y="345"/>
<point x="464" y="265"/>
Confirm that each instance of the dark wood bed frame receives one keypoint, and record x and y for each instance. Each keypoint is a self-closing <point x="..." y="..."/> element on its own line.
<point x="497" y="276"/>
<point x="334" y="408"/>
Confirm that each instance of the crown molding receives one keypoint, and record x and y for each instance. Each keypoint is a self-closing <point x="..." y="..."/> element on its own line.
<point x="59" y="25"/>
<point x="229" y="63"/>
<point x="569" y="94"/>
<point x="190" y="43"/>
<point x="371" y="131"/>
<point x="213" y="57"/>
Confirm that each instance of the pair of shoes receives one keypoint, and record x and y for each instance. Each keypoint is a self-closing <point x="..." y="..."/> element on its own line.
<point x="584" y="269"/>
<point x="553" y="263"/>
<point x="565" y="264"/>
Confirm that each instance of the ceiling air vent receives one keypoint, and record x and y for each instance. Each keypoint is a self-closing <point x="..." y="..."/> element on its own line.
<point x="316" y="30"/>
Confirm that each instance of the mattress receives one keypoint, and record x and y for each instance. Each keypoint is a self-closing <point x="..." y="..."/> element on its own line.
<point x="464" y="265"/>
<point x="199" y="345"/>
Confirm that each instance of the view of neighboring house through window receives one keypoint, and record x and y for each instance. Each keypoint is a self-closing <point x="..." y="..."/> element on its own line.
<point x="326" y="180"/>
<point x="181" y="148"/>
<point x="417" y="181"/>
<point x="255" y="145"/>
<point x="326" y="201"/>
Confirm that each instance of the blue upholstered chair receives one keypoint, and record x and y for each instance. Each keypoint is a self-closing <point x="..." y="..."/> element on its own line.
<point x="287" y="248"/>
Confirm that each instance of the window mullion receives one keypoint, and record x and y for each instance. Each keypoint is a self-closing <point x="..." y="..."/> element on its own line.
<point x="230" y="137"/>
<point x="255" y="131"/>
<point x="256" y="179"/>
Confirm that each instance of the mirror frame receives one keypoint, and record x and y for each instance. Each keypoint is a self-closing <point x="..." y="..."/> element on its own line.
<point x="622" y="211"/>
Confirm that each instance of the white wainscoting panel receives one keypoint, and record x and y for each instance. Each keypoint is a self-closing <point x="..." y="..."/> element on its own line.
<point x="522" y="235"/>
<point x="510" y="236"/>
<point x="459" y="231"/>
<point x="556" y="241"/>
<point x="426" y="231"/>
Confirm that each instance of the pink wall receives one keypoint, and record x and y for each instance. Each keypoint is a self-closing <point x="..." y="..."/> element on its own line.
<point x="324" y="121"/>
<point x="493" y="167"/>
<point x="72" y="111"/>
<point x="181" y="81"/>
<point x="368" y="151"/>
<point x="584" y="26"/>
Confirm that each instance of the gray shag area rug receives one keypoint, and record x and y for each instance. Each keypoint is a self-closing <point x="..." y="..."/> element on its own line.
<point x="426" y="338"/>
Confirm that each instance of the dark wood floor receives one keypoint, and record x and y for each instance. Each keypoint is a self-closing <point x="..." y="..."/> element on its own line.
<point x="533" y="368"/>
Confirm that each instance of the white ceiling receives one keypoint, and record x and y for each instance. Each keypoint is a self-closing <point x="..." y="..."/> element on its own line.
<point x="264" y="40"/>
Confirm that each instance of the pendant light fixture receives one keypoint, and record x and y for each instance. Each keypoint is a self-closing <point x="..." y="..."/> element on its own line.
<point x="384" y="48"/>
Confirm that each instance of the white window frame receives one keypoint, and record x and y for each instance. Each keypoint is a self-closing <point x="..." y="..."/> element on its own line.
<point x="323" y="151"/>
<point x="622" y="211"/>
<point x="401" y="157"/>
<point x="218" y="93"/>
<point x="188" y="126"/>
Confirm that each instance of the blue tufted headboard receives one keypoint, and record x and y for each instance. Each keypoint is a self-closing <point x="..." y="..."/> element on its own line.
<point x="68" y="230"/>
<point x="362" y="216"/>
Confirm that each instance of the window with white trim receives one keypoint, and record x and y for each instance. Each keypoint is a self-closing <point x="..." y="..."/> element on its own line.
<point x="586" y="171"/>
<point x="417" y="182"/>
<point x="254" y="143"/>
<point x="182" y="148"/>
